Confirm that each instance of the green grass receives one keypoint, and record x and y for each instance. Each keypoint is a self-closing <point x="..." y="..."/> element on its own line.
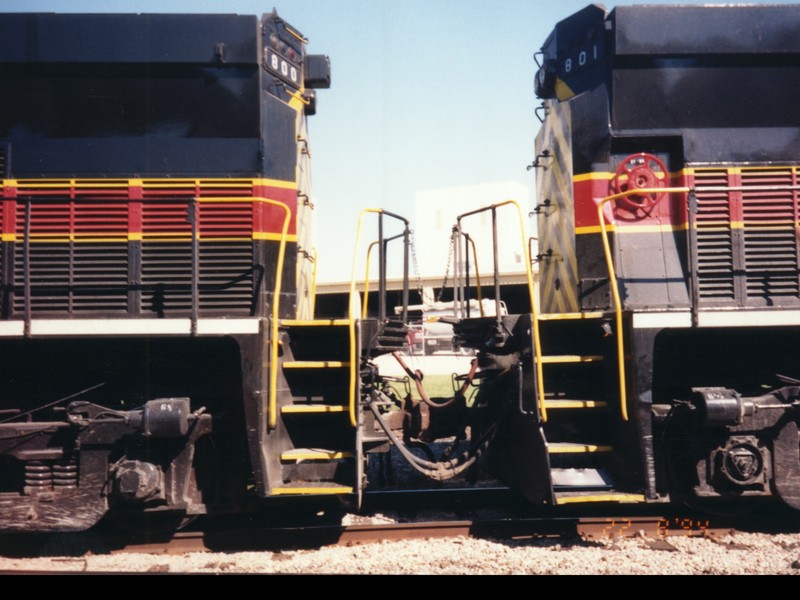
<point x="436" y="386"/>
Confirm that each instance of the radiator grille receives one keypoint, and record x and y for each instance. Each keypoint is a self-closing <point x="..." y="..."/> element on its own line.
<point x="747" y="242"/>
<point x="123" y="247"/>
<point x="715" y="255"/>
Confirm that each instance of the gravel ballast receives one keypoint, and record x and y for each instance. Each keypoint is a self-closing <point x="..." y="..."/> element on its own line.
<point x="740" y="553"/>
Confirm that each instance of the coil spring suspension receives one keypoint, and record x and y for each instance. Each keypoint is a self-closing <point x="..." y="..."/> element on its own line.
<point x="65" y="474"/>
<point x="38" y="477"/>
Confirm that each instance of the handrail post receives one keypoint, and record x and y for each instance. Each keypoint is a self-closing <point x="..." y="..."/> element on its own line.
<point x="406" y="243"/>
<point x="353" y="314"/>
<point x="272" y="412"/>
<point x="537" y="345"/>
<point x="26" y="267"/>
<point x="498" y="316"/>
<point x="466" y="273"/>
<point x="381" y="271"/>
<point x="193" y="220"/>
<point x="612" y="278"/>
<point x="458" y="287"/>
<point x="694" y="259"/>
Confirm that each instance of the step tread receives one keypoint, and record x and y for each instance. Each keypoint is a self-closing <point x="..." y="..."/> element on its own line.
<point x="316" y="364"/>
<point x="587" y="316"/>
<point x="315" y="454"/>
<point x="311" y="488"/>
<point x="569" y="404"/>
<point x="584" y="478"/>
<point x="316" y="323"/>
<point x="576" y="448"/>
<point x="299" y="409"/>
<point x="586" y="497"/>
<point x="562" y="359"/>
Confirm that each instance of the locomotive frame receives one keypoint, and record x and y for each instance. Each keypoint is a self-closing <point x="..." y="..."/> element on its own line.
<point x="159" y="352"/>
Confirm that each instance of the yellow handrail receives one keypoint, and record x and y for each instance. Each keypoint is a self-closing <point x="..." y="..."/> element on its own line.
<point x="365" y="307"/>
<point x="612" y="275"/>
<point x="353" y="317"/>
<point x="272" y="418"/>
<point x="537" y="344"/>
<point x="477" y="275"/>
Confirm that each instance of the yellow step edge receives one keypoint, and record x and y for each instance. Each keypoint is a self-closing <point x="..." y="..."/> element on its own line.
<point x="587" y="316"/>
<point x="311" y="491"/>
<point x="312" y="409"/>
<point x="315" y="455"/>
<point x="619" y="498"/>
<point x="318" y="323"/>
<point x="574" y="404"/>
<point x="310" y="364"/>
<point x="569" y="448"/>
<point x="570" y="359"/>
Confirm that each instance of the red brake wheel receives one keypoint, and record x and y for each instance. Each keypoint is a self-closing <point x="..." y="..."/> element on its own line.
<point x="640" y="172"/>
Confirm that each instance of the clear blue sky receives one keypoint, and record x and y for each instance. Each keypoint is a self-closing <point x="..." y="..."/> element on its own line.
<point x="425" y="94"/>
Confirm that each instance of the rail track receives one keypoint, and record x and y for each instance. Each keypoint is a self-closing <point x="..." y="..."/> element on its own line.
<point x="479" y="513"/>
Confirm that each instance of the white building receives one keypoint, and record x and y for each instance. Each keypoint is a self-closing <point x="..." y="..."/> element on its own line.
<point x="437" y="211"/>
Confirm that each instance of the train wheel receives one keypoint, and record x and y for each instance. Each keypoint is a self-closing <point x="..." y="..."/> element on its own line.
<point x="686" y="448"/>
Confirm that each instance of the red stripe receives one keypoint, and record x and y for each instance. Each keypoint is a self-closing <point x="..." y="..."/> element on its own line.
<point x="588" y="194"/>
<point x="269" y="219"/>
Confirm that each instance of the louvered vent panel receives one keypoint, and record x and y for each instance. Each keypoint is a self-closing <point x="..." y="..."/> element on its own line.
<point x="100" y="218"/>
<point x="770" y="239"/>
<point x="49" y="278"/>
<point x="167" y="276"/>
<point x="714" y="238"/>
<point x="226" y="220"/>
<point x="226" y="276"/>
<point x="100" y="278"/>
<point x="83" y="233"/>
<point x="166" y="219"/>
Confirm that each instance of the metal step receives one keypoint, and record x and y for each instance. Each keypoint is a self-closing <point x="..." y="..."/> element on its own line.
<point x="581" y="478"/>
<point x="316" y="323"/>
<point x="587" y="316"/>
<point x="598" y="497"/>
<point x="314" y="454"/>
<point x="312" y="488"/>
<point x="570" y="359"/>
<point x="310" y="409"/>
<point x="316" y="364"/>
<point x="574" y="404"/>
<point x="573" y="448"/>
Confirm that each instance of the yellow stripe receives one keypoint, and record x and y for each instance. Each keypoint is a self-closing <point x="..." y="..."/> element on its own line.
<point x="315" y="455"/>
<point x="316" y="365"/>
<point x="632" y="228"/>
<point x="596" y="176"/>
<point x="705" y="226"/>
<point x="146" y="183"/>
<point x="585" y="316"/>
<point x="302" y="410"/>
<point x="565" y="360"/>
<point x="287" y="185"/>
<point x="563" y="91"/>
<point x="274" y="237"/>
<point x="605" y="176"/>
<point x="67" y="240"/>
<point x="317" y="491"/>
<point x="9" y="237"/>
<point x="577" y="449"/>
<point x="574" y="404"/>
<point x="318" y="323"/>
<point x="621" y="498"/>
